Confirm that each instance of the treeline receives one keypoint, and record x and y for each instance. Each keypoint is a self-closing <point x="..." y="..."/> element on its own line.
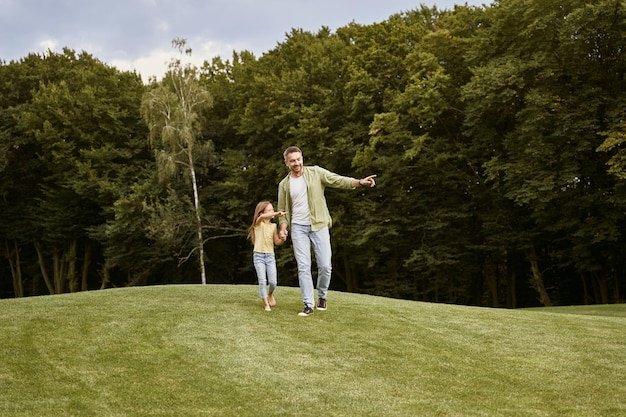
<point x="497" y="134"/>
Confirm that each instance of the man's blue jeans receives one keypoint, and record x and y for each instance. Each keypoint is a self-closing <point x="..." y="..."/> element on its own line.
<point x="265" y="266"/>
<point x="302" y="238"/>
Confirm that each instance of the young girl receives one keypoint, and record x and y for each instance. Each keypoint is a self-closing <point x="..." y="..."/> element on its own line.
<point x="264" y="235"/>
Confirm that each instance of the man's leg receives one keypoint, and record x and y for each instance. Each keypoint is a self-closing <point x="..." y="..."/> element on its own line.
<point x="302" y="252"/>
<point x="323" y="258"/>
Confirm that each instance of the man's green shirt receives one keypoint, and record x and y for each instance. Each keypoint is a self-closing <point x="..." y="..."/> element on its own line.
<point x="317" y="179"/>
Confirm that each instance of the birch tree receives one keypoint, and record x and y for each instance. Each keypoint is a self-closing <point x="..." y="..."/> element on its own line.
<point x="172" y="110"/>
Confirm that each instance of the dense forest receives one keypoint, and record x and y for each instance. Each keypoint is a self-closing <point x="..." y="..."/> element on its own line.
<point x="498" y="134"/>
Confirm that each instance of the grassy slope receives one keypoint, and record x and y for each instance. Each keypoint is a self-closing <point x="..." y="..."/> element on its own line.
<point x="211" y="350"/>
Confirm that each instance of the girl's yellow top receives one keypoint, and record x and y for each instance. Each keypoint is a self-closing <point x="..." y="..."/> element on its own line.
<point x="264" y="237"/>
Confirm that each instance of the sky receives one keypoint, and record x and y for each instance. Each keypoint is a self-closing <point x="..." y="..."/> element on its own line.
<point x="137" y="34"/>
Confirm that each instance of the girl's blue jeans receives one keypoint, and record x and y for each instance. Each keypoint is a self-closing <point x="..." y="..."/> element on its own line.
<point x="265" y="266"/>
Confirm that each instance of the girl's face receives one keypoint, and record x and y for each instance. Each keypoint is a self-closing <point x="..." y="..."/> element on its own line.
<point x="268" y="209"/>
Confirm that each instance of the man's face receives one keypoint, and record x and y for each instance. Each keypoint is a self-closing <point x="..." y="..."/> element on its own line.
<point x="294" y="162"/>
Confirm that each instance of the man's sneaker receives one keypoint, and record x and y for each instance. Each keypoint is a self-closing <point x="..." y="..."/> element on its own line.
<point x="321" y="304"/>
<point x="306" y="312"/>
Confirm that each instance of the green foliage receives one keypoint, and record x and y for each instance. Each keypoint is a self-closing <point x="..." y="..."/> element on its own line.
<point x="496" y="132"/>
<point x="72" y="135"/>
<point x="614" y="142"/>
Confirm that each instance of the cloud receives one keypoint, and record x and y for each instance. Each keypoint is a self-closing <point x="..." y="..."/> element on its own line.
<point x="137" y="34"/>
<point x="154" y="64"/>
<point x="148" y="66"/>
<point x="48" y="44"/>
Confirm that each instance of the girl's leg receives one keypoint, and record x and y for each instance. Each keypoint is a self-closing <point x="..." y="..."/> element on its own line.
<point x="261" y="273"/>
<point x="272" y="277"/>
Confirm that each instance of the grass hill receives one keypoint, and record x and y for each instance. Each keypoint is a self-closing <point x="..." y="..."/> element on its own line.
<point x="211" y="350"/>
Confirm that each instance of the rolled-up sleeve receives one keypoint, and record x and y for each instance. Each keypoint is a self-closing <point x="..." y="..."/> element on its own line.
<point x="284" y="201"/>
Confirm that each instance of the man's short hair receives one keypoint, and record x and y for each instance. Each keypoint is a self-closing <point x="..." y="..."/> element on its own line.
<point x="291" y="149"/>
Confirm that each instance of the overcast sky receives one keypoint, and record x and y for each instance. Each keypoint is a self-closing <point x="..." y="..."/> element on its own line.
<point x="137" y="34"/>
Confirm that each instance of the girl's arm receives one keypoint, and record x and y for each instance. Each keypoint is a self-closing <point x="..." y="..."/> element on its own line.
<point x="270" y="215"/>
<point x="263" y="216"/>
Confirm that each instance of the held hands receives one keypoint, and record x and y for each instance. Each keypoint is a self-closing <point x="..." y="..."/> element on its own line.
<point x="283" y="234"/>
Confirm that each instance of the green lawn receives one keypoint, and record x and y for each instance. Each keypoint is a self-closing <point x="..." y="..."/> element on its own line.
<point x="193" y="350"/>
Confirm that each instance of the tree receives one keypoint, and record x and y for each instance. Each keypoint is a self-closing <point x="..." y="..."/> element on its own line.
<point x="540" y="118"/>
<point x="171" y="110"/>
<point x="72" y="141"/>
<point x="419" y="222"/>
<point x="490" y="144"/>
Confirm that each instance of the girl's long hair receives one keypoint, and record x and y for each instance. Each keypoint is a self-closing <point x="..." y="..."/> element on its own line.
<point x="260" y="208"/>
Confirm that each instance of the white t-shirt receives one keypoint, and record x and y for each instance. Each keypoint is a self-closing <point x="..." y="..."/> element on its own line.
<point x="300" y="211"/>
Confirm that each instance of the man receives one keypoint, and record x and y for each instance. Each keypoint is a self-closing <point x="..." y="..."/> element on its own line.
<point x="301" y="197"/>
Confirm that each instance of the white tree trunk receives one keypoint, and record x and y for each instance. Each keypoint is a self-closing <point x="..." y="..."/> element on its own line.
<point x="196" y="203"/>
